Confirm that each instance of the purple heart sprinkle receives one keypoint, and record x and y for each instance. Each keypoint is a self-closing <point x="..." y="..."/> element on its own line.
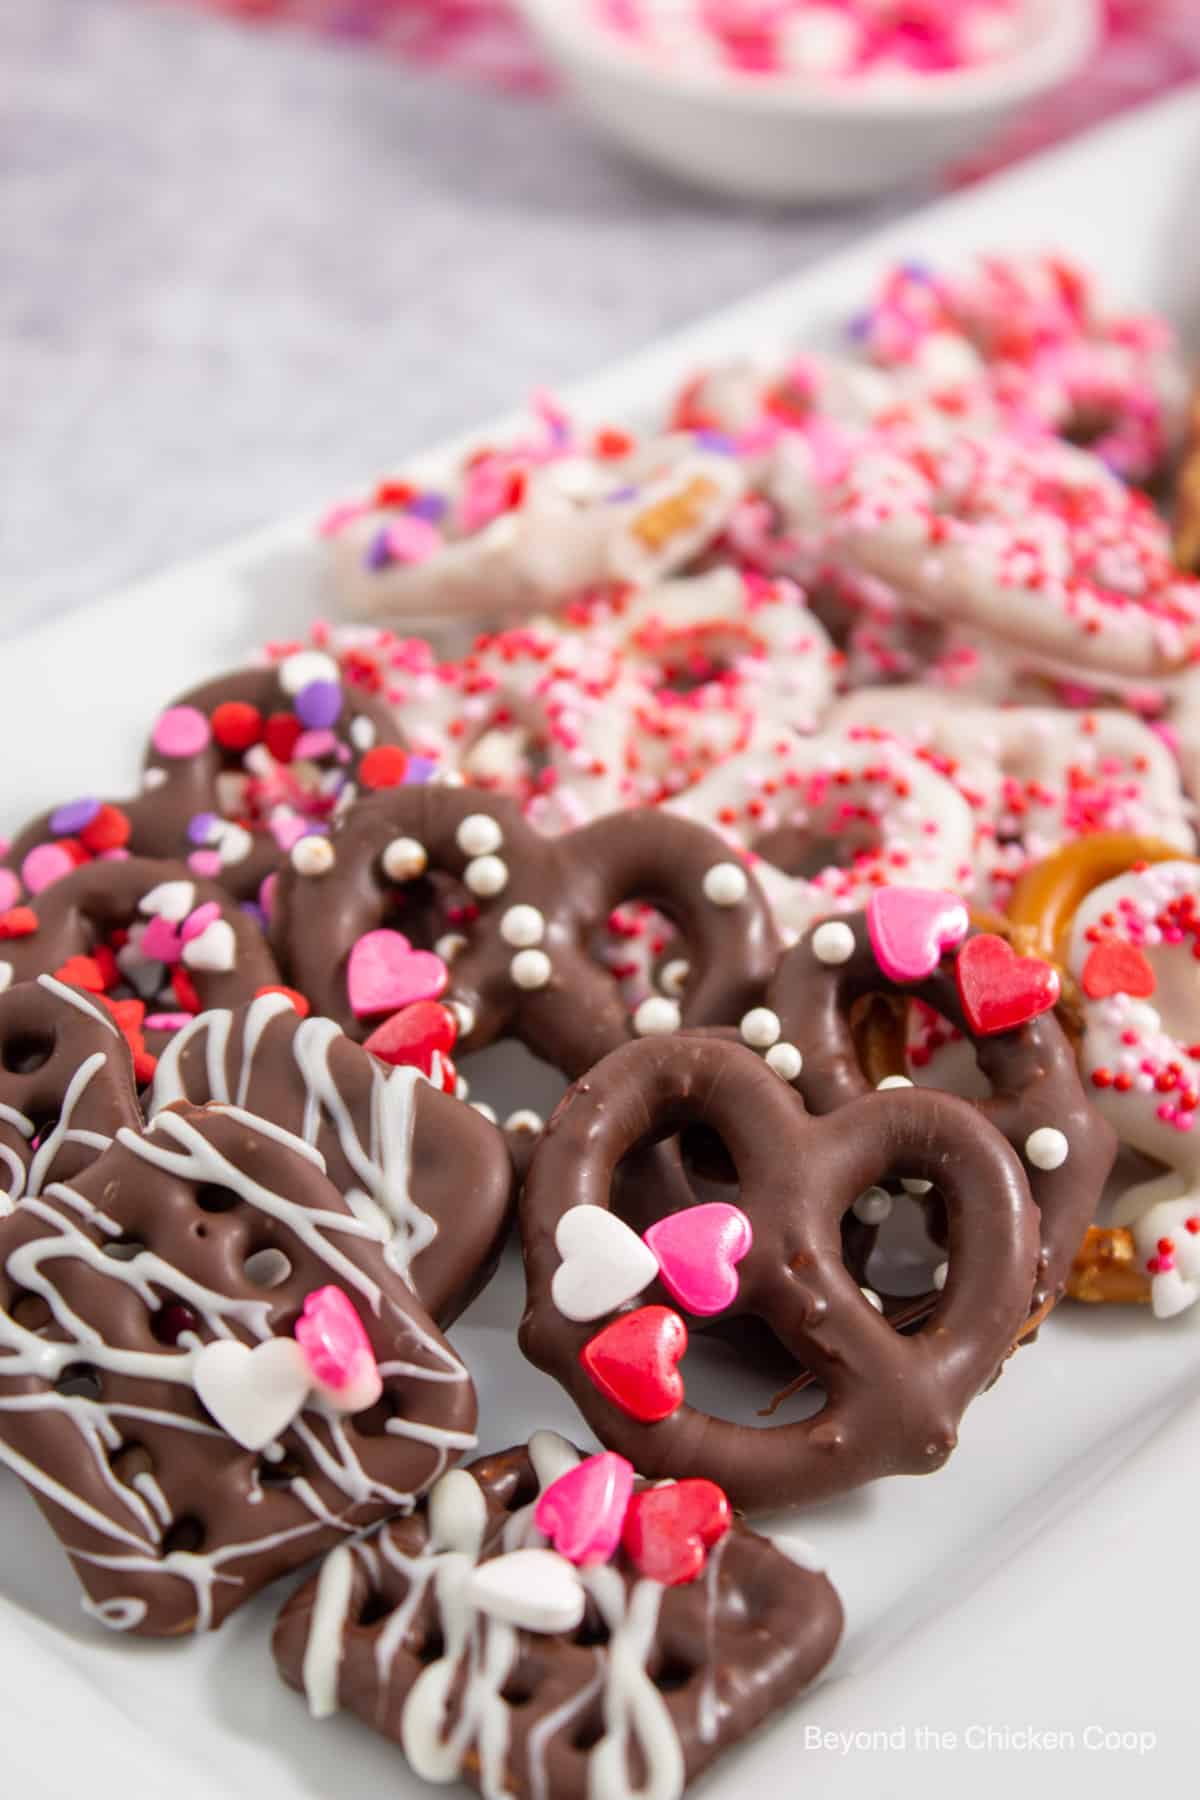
<point x="429" y="506"/>
<point x="201" y="827"/>
<point x="318" y="705"/>
<point x="379" y="551"/>
<point x="718" y="441"/>
<point x="73" y="817"/>
<point x="420" y="769"/>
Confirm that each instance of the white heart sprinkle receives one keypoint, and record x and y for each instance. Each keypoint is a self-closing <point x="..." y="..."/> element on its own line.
<point x="252" y="1394"/>
<point x="234" y="844"/>
<point x="604" y="1264"/>
<point x="305" y="667"/>
<point x="6" y="975"/>
<point x="535" y="1590"/>
<point x="215" y="949"/>
<point x="170" y="900"/>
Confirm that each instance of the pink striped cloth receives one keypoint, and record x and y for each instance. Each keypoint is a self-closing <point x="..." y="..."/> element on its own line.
<point x="1151" y="46"/>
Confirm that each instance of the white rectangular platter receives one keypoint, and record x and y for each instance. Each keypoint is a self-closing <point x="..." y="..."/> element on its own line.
<point x="1042" y="1581"/>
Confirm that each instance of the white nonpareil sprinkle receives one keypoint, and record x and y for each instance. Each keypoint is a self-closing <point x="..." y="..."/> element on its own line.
<point x="1047" y="1148"/>
<point x="486" y="876"/>
<point x="761" y="1028"/>
<point x="726" y="885"/>
<point x="404" y="859"/>
<point x="833" y="943"/>
<point x="656" y="1016"/>
<point x="873" y="1206"/>
<point x="313" y="856"/>
<point x="478" y="835"/>
<point x="530" y="969"/>
<point x="786" y="1061"/>
<point x="523" y="926"/>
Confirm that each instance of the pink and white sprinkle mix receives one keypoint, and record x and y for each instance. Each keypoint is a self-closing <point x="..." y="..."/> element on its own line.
<point x="833" y="40"/>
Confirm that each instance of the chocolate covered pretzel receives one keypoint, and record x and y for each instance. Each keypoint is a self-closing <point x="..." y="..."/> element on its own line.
<point x="236" y="773"/>
<point x="209" y="1372"/>
<point x="66" y="1085"/>
<point x="515" y="915"/>
<point x="156" y="941"/>
<point x="437" y="1174"/>
<point x="605" y="1308"/>
<point x="917" y="943"/>
<point x="654" y="1635"/>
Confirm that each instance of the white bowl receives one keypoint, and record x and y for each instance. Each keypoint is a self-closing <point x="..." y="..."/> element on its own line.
<point x="784" y="140"/>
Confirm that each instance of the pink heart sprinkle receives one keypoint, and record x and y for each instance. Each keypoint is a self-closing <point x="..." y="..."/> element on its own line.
<point x="161" y="942"/>
<point x="698" y="1250"/>
<point x="583" y="1512"/>
<point x="206" y="863"/>
<point x="266" y="894"/>
<point x="167" y="1021"/>
<point x="181" y="731"/>
<point x="287" y="830"/>
<point x="386" y="973"/>
<point x="45" y="864"/>
<point x="910" y="928"/>
<point x="10" y="890"/>
<point x="311" y="746"/>
<point x="339" y="1352"/>
<point x="199" y="921"/>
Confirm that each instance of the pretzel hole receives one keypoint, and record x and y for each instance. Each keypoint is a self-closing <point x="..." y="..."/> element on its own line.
<point x="802" y="852"/>
<point x="674" y="1674"/>
<point x="432" y="1646"/>
<point x="30" y="1312"/>
<point x="79" y="1381"/>
<point x="428" y="907"/>
<point x="741" y="1373"/>
<point x="43" y="1128"/>
<point x="213" y="1199"/>
<point x="519" y="1689"/>
<point x="130" y="1462"/>
<point x="169" y="1323"/>
<point x="592" y="1633"/>
<point x="905" y="1254"/>
<point x="525" y="1491"/>
<point x="184" y="1537"/>
<point x="123" y="1249"/>
<point x="26" y="1052"/>
<point x="375" y="1609"/>
<point x="267" y="1268"/>
<point x="280" y="1473"/>
<point x="590" y="1729"/>
<point x="939" y="1056"/>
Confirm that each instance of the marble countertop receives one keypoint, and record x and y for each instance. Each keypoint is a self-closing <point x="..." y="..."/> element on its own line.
<point x="244" y="270"/>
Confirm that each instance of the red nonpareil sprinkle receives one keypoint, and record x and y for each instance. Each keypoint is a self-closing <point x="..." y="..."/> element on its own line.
<point x="281" y="732"/>
<point x="19" y="921"/>
<point x="610" y="445"/>
<point x="296" y="1000"/>
<point x="236" y="725"/>
<point x="383" y="767"/>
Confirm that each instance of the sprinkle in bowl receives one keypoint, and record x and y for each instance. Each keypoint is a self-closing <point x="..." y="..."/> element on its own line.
<point x="783" y="135"/>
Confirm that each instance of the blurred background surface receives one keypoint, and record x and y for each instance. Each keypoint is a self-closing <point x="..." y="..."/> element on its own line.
<point x="255" y="250"/>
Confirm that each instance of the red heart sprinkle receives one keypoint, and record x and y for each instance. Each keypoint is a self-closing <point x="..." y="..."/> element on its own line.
<point x="412" y="1037"/>
<point x="81" y="972"/>
<point x="1115" y="967"/>
<point x="282" y="731"/>
<point x="18" y="921"/>
<point x="669" y="1531"/>
<point x="297" y="1001"/>
<point x="1000" y="990"/>
<point x="632" y="1362"/>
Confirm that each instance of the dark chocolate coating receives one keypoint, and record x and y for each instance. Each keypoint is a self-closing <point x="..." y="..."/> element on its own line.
<point x="725" y="1655"/>
<point x="187" y="786"/>
<point x="1032" y="1072"/>
<point x="103" y="1430"/>
<point x="101" y="897"/>
<point x="461" y="1174"/>
<point x="574" y="881"/>
<point x="49" y="1033"/>
<point x="894" y="1402"/>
